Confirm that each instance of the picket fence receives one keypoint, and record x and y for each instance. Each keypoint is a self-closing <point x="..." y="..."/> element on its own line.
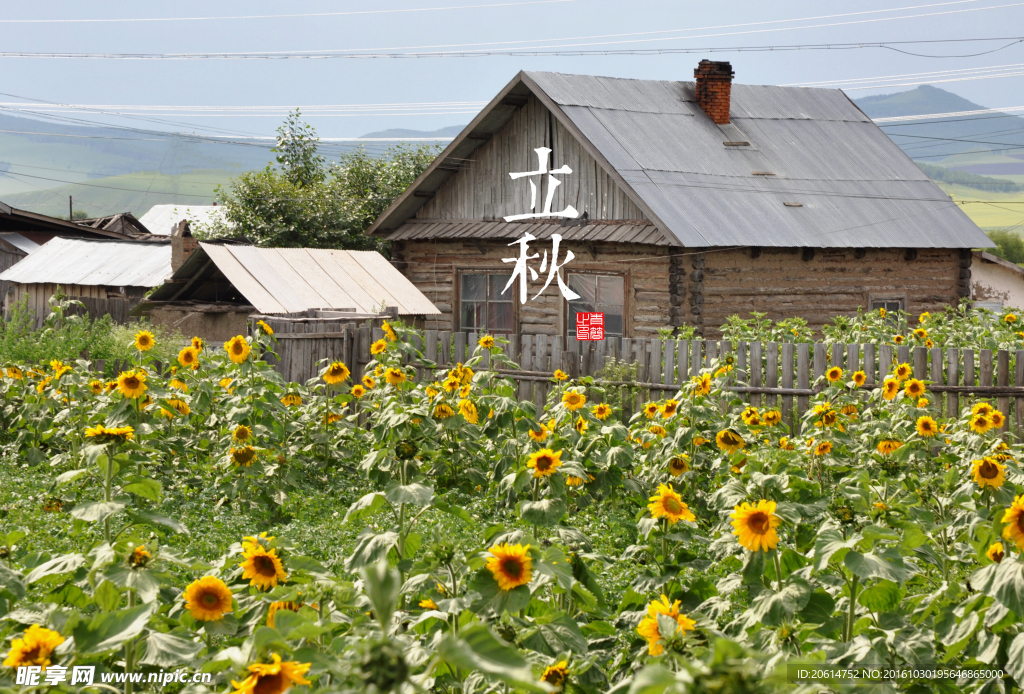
<point x="770" y="375"/>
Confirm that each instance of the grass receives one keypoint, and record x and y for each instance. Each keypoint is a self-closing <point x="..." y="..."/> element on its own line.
<point x="999" y="210"/>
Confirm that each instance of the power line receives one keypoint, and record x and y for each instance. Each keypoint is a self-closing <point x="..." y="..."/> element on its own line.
<point x="935" y="74"/>
<point x="950" y="114"/>
<point x="280" y="16"/>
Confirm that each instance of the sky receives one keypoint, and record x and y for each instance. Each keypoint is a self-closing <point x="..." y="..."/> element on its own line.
<point x="430" y="92"/>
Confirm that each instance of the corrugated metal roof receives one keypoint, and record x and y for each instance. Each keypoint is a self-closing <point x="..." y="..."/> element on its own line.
<point x="595" y="231"/>
<point x="856" y="186"/>
<point x="19" y="241"/>
<point x="161" y="219"/>
<point x="94" y="263"/>
<point x="289" y="280"/>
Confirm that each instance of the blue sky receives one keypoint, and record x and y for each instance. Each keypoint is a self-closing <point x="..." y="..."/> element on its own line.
<point x="288" y="83"/>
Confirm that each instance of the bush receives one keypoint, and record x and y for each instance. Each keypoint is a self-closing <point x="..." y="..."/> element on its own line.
<point x="1009" y="245"/>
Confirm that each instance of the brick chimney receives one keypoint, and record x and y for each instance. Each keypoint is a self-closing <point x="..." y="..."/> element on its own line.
<point x="714" y="86"/>
<point x="182" y="245"/>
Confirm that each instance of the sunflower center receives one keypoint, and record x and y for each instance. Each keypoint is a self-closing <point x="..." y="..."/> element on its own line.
<point x="759" y="522"/>
<point x="678" y="464"/>
<point x="672" y="505"/>
<point x="512" y="567"/>
<point x="209" y="600"/>
<point x="270" y="684"/>
<point x="988" y="470"/>
<point x="544" y="463"/>
<point x="131" y="382"/>
<point x="264" y="565"/>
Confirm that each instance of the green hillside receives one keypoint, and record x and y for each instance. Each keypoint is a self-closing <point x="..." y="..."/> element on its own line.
<point x="134" y="193"/>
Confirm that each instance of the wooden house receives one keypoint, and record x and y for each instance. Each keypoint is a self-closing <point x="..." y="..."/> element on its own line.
<point x="996" y="283"/>
<point x="681" y="202"/>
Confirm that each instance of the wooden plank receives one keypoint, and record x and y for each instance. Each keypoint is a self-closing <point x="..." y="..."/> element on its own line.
<point x="935" y="355"/>
<point x="330" y="292"/>
<point x="431" y="350"/>
<point x="513" y="347"/>
<point x="755" y="372"/>
<point x="682" y="362"/>
<point x="1018" y="403"/>
<point x="869" y="365"/>
<point x="903" y="354"/>
<point x="884" y="362"/>
<point x="852" y="359"/>
<point x="771" y="374"/>
<point x="668" y="374"/>
<point x="921" y="363"/>
<point x="352" y="278"/>
<point x="838" y="355"/>
<point x="952" y="379"/>
<point x="261" y="267"/>
<point x="968" y="365"/>
<point x="408" y="299"/>
<point x="820" y="357"/>
<point x="711" y="355"/>
<point x="459" y="339"/>
<point x="540" y="361"/>
<point x="445" y="358"/>
<point x="787" y="382"/>
<point x="742" y="374"/>
<point x="656" y="372"/>
<point x="1003" y="379"/>
<point x="526" y="361"/>
<point x="803" y="355"/>
<point x="696" y="347"/>
<point x="985" y="362"/>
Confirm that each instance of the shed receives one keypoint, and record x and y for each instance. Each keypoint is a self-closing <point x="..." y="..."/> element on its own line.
<point x="682" y="202"/>
<point x="996" y="283"/>
<point x="95" y="271"/>
<point x="219" y="284"/>
<point x="13" y="248"/>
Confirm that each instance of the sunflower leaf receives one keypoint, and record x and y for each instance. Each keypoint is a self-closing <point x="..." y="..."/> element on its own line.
<point x="415" y="494"/>
<point x="168" y="650"/>
<point x="62" y="564"/>
<point x="145" y="487"/>
<point x="365" y="506"/>
<point x="477" y="649"/>
<point x="97" y="511"/>
<point x="370" y="548"/>
<point x="108" y="630"/>
<point x="151" y="518"/>
<point x="1003" y="581"/>
<point x="887" y="564"/>
<point x="546" y="512"/>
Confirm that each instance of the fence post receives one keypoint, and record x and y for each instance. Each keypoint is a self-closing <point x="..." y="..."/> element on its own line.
<point x="1018" y="403"/>
<point x="803" y="353"/>
<point x="853" y="358"/>
<point x="903" y="354"/>
<point x="446" y="345"/>
<point x="695" y="356"/>
<point x="968" y="356"/>
<point x="869" y="364"/>
<point x="540" y="358"/>
<point x="682" y="361"/>
<point x="668" y="374"/>
<point x="920" y="363"/>
<point x="953" y="379"/>
<point x="1003" y="380"/>
<point x="742" y="374"/>
<point x="513" y="347"/>
<point x="884" y="362"/>
<point x="820" y="353"/>
<point x="431" y="353"/>
<point x="755" y="371"/>
<point x="526" y="364"/>
<point x="936" y="375"/>
<point x="771" y="373"/>
<point x="985" y="362"/>
<point x="787" y="382"/>
<point x="837" y="354"/>
<point x="655" y="373"/>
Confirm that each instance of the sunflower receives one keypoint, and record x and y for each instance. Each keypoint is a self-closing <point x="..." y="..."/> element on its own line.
<point x="995" y="552"/>
<point x="560" y="375"/>
<point x="729" y="441"/>
<point x="750" y="416"/>
<point x="998" y="419"/>
<point x="1010" y="319"/>
<point x="891" y="388"/>
<point x="786" y="445"/>
<point x="914" y="389"/>
<point x="668" y="504"/>
<point x="379" y="347"/>
<point x="922" y="403"/>
<point x="272" y="678"/>
<point x="980" y="423"/>
<point x="132" y="384"/>
<point x="486" y="341"/>
<point x="982" y="408"/>
<point x="903" y="371"/>
<point x="581" y="425"/>
<point x="139" y="557"/>
<point x="829" y="418"/>
<point x="389" y="332"/>
<point x="701" y="384"/>
<point x="669" y="408"/>
<point x="571" y="481"/>
<point x="1013" y="519"/>
<point x="443" y="411"/>
<point x="834" y="374"/>
<point x="336" y="373"/>
<point x="923" y="318"/>
<point x="881" y="312"/>
<point x="926" y="427"/>
<point x="237" y="348"/>
<point x="823" y="448"/>
<point x="241" y="434"/>
<point x="540" y="434"/>
<point x="544" y="462"/>
<point x="33" y="648"/>
<point x="510" y="565"/>
<point x="921" y="334"/>
<point x="208" y="599"/>
<point x="771" y="417"/>
<point x="96" y="387"/>
<point x="649" y="628"/>
<point x="369" y="383"/>
<point x="468" y="411"/>
<point x="177" y="384"/>
<point x="929" y="344"/>
<point x="573" y="400"/>
<point x="358" y="391"/>
<point x="144" y="341"/>
<point x="555" y="675"/>
<point x="177" y="405"/>
<point x="59" y="368"/>
<point x="451" y="384"/>
<point x="897" y="339"/>
<point x="291" y="400"/>
<point x="263" y="568"/>
<point x="332" y="417"/>
<point x="859" y="378"/>
<point x="428" y="604"/>
<point x="198" y="344"/>
<point x="276" y="607"/>
<point x="679" y="465"/>
<point x="44" y="384"/>
<point x="651" y="410"/>
<point x="243" y="456"/>
<point x="988" y="472"/>
<point x="888" y="446"/>
<point x="602" y="411"/>
<point x="394" y="376"/>
<point x="110" y="434"/>
<point x="700" y="440"/>
<point x="657" y="430"/>
<point x="755" y="525"/>
<point x="15" y="373"/>
<point x="464" y="391"/>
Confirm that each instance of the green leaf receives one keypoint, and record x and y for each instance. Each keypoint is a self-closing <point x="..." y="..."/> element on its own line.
<point x="655" y="679"/>
<point x="1015" y="658"/>
<point x="381" y="584"/>
<point x="963" y="631"/>
<point x="70" y="476"/>
<point x="511" y="600"/>
<point x="96" y="511"/>
<point x="546" y="512"/>
<point x="556" y="565"/>
<point x="107" y="596"/>
<point x="772" y="609"/>
<point x="60" y="565"/>
<point x="456" y="511"/>
<point x="415" y="494"/>
<point x="366" y="506"/>
<point x="1004" y="582"/>
<point x="753" y="568"/>
<point x="168" y="650"/>
<point x="108" y="630"/>
<point x="886" y="563"/>
<point x="820" y="607"/>
<point x="883" y="596"/>
<point x="477" y="649"/>
<point x="145" y="487"/>
<point x="151" y="518"/>
<point x="11" y="584"/>
<point x="370" y="548"/>
<point x="828" y="543"/>
<point x="563" y="634"/>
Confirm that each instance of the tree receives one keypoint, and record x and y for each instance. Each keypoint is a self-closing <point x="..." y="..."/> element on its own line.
<point x="1009" y="245"/>
<point x="306" y="202"/>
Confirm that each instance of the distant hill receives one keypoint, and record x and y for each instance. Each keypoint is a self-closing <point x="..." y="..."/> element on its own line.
<point x="450" y="131"/>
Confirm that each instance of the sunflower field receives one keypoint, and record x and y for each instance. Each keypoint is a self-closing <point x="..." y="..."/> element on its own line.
<point x="389" y="534"/>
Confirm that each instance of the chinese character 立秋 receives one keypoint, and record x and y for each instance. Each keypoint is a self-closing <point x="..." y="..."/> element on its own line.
<point x="553" y="183"/>
<point x="519" y="271"/>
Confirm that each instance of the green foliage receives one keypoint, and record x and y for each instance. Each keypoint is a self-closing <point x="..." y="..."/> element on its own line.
<point x="304" y="202"/>
<point x="1009" y="245"/>
<point x="970" y="180"/>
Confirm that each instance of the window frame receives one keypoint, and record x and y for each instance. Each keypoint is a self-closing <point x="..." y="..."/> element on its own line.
<point x="887" y="298"/>
<point x="627" y="322"/>
<point x="457" y="296"/>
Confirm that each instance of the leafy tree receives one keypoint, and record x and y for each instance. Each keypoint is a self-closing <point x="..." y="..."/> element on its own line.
<point x="307" y="202"/>
<point x="1009" y="245"/>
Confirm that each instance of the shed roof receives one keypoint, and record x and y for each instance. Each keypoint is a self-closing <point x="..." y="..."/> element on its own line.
<point x="161" y="219"/>
<point x="20" y="242"/>
<point x="94" y="262"/>
<point x="854" y="187"/>
<point x="289" y="280"/>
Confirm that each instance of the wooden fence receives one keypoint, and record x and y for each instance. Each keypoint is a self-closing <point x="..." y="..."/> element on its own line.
<point x="770" y="375"/>
<point x="117" y="309"/>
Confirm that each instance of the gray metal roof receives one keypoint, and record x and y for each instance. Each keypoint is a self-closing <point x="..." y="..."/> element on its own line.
<point x="94" y="263"/>
<point x="636" y="232"/>
<point x="19" y="241"/>
<point x="846" y="182"/>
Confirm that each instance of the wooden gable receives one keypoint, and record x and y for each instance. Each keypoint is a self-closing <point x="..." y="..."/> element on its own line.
<point x="481" y="189"/>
